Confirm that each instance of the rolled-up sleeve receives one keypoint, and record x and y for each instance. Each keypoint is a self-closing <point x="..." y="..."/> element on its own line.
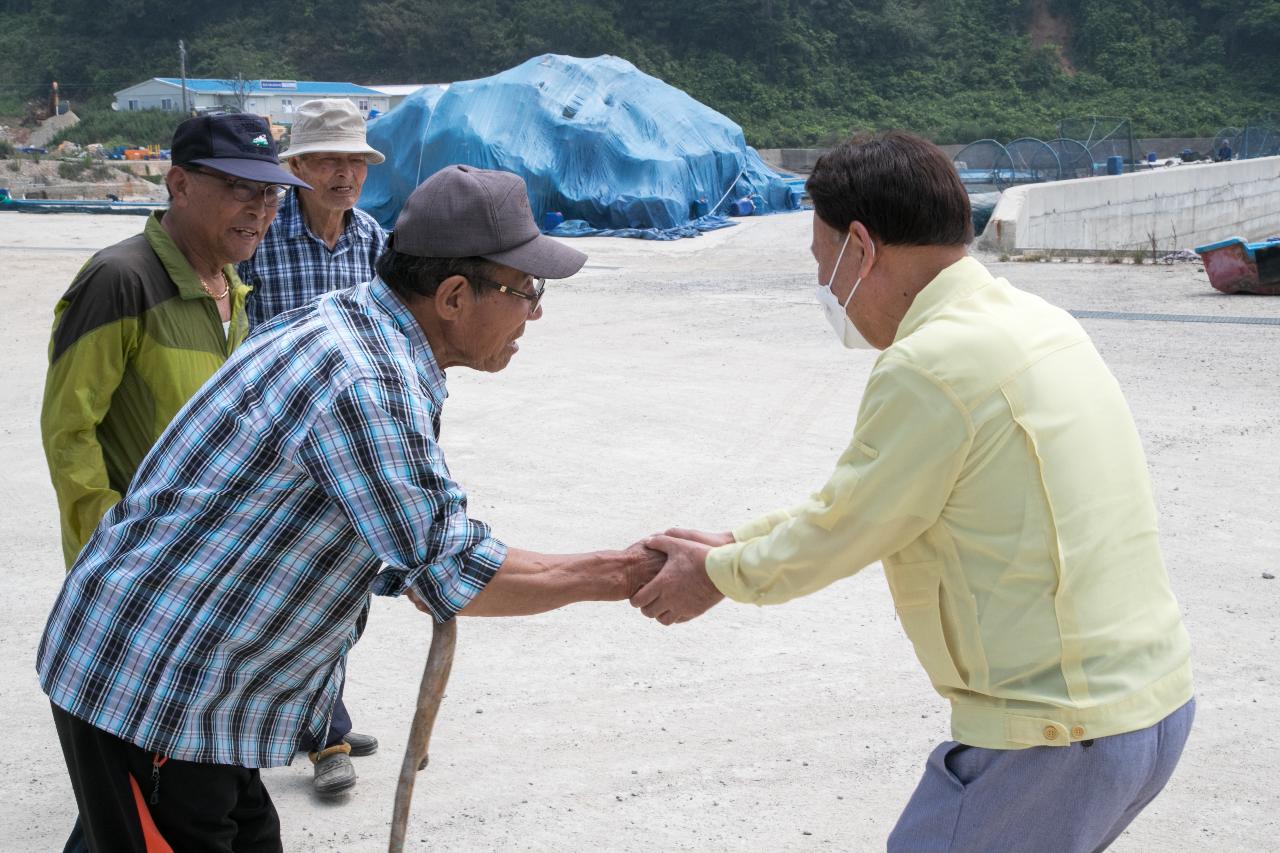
<point x="373" y="452"/>
<point x="889" y="485"/>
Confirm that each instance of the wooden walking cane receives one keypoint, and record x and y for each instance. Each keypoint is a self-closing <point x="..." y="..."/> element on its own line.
<point x="435" y="675"/>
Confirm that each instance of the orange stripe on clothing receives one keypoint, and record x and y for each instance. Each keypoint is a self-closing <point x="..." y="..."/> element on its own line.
<point x="150" y="834"/>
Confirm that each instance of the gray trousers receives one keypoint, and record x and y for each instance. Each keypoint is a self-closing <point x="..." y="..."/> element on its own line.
<point x="1045" y="799"/>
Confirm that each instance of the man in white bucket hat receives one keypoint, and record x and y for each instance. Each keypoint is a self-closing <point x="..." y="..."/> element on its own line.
<point x="320" y="241"/>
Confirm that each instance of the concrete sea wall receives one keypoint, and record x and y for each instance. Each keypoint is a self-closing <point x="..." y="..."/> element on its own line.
<point x="1175" y="207"/>
<point x="801" y="160"/>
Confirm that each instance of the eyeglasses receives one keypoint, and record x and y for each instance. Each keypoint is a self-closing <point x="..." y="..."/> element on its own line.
<point x="246" y="191"/>
<point x="539" y="285"/>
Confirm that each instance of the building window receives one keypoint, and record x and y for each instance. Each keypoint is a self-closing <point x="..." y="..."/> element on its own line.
<point x="363" y="105"/>
<point x="133" y="104"/>
<point x="166" y="103"/>
<point x="286" y="105"/>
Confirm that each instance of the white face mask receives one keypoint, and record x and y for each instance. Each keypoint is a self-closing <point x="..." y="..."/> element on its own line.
<point x="836" y="314"/>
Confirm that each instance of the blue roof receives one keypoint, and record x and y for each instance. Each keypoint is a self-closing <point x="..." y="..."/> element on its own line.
<point x="300" y="87"/>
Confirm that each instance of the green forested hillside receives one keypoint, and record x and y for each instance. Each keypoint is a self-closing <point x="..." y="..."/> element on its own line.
<point x="791" y="72"/>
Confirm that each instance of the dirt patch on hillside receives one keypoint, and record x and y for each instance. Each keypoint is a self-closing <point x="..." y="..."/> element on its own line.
<point x="1047" y="30"/>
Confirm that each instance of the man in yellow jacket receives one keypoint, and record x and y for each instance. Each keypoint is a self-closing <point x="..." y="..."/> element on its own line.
<point x="996" y="472"/>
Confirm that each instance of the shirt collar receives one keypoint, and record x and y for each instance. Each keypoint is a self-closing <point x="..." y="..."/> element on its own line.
<point x="290" y="217"/>
<point x="955" y="282"/>
<point x="359" y="224"/>
<point x="386" y="299"/>
<point x="178" y="267"/>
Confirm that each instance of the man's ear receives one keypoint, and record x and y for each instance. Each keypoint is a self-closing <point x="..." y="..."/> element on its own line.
<point x="859" y="233"/>
<point x="178" y="182"/>
<point x="452" y="297"/>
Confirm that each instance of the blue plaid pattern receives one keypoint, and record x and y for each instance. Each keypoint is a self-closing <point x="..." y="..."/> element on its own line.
<point x="292" y="266"/>
<point x="209" y="616"/>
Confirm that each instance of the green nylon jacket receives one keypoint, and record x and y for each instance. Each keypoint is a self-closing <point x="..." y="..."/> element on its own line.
<point x="134" y="338"/>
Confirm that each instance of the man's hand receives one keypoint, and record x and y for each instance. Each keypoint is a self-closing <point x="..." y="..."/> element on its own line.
<point x="712" y="539"/>
<point x="642" y="565"/>
<point x="682" y="590"/>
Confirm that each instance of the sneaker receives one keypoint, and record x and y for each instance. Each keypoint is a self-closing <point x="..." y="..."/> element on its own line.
<point x="334" y="770"/>
<point x="361" y="744"/>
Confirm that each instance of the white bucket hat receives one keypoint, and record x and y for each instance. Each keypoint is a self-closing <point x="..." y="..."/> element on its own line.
<point x="329" y="125"/>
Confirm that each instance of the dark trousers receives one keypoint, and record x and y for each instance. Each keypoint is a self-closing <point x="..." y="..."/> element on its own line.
<point x="339" y="722"/>
<point x="201" y="808"/>
<point x="76" y="842"/>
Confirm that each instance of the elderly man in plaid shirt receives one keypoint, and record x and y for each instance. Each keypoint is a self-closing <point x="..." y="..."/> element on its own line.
<point x="203" y="631"/>
<point x="318" y="243"/>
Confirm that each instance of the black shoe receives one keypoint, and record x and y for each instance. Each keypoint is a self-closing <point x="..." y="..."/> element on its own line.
<point x="334" y="771"/>
<point x="361" y="744"/>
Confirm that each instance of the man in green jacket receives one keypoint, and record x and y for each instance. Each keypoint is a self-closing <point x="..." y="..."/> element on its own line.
<point x="147" y="321"/>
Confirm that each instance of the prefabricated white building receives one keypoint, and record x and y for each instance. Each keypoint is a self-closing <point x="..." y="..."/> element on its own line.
<point x="274" y="99"/>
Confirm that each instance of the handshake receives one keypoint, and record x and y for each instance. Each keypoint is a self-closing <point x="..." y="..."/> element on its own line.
<point x="670" y="582"/>
<point x="664" y="575"/>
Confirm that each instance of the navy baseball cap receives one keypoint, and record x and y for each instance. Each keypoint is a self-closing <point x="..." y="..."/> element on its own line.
<point x="237" y="144"/>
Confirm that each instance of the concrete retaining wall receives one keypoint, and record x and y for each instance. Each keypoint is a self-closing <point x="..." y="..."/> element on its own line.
<point x="1171" y="147"/>
<point x="122" y="189"/>
<point x="141" y="167"/>
<point x="1178" y="206"/>
<point x="800" y="160"/>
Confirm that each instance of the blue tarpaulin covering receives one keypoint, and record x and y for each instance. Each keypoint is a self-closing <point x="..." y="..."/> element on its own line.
<point x="582" y="228"/>
<point x="610" y="148"/>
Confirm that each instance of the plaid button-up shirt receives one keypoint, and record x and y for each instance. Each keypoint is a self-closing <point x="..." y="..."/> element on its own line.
<point x="292" y="266"/>
<point x="209" y="615"/>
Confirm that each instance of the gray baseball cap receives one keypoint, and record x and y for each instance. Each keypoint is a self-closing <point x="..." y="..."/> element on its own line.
<point x="464" y="212"/>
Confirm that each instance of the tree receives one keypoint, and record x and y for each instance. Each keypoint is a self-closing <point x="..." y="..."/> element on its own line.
<point x="240" y="89"/>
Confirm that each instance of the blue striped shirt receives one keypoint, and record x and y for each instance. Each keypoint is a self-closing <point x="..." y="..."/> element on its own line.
<point x="292" y="266"/>
<point x="210" y="613"/>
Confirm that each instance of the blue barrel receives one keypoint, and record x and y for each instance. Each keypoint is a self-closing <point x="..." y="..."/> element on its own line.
<point x="698" y="209"/>
<point x="741" y="207"/>
<point x="551" y="220"/>
<point x="1115" y="165"/>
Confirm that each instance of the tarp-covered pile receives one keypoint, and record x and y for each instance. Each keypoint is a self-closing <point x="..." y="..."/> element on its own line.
<point x="609" y="147"/>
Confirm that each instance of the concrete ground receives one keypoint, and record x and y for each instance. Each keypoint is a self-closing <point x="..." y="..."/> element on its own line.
<point x="697" y="383"/>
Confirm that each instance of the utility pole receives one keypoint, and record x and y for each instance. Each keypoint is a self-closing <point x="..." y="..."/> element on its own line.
<point x="182" y="60"/>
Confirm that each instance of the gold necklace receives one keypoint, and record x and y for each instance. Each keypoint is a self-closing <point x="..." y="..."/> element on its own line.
<point x="226" y="285"/>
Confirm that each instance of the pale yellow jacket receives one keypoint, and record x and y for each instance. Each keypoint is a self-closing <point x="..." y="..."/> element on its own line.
<point x="997" y="473"/>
